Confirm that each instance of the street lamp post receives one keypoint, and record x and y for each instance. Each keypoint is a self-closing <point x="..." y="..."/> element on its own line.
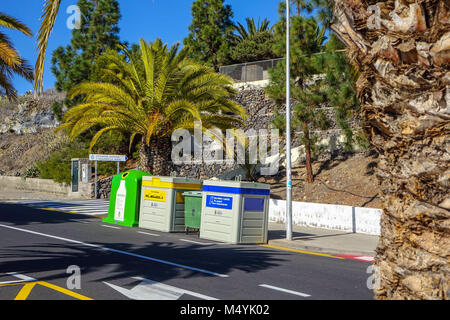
<point x="288" y="130"/>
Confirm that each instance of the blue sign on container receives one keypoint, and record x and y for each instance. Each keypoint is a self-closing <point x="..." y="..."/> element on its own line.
<point x="254" y="204"/>
<point x="219" y="202"/>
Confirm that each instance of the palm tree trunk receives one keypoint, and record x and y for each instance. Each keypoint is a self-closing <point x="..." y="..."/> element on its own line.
<point x="404" y="89"/>
<point x="155" y="157"/>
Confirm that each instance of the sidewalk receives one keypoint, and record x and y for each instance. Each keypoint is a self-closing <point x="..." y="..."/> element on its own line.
<point x="323" y="240"/>
<point x="28" y="195"/>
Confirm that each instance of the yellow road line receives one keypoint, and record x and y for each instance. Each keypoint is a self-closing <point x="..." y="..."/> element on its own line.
<point x="25" y="291"/>
<point x="28" y="286"/>
<point x="64" y="291"/>
<point x="15" y="283"/>
<point x="300" y="251"/>
<point x="59" y="210"/>
<point x="71" y="212"/>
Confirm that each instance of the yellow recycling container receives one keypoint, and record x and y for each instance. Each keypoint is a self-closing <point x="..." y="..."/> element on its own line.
<point x="162" y="202"/>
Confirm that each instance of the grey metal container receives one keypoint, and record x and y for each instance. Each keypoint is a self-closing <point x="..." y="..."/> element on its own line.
<point x="162" y="202"/>
<point x="235" y="212"/>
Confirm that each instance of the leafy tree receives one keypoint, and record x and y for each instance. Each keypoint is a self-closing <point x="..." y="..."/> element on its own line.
<point x="211" y="31"/>
<point x="150" y="98"/>
<point x="98" y="32"/>
<point x="50" y="12"/>
<point x="322" y="9"/>
<point x="10" y="61"/>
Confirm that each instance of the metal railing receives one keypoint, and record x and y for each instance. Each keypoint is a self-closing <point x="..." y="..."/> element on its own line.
<point x="250" y="71"/>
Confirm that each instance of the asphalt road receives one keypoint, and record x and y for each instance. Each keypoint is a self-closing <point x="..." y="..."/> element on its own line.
<point x="37" y="247"/>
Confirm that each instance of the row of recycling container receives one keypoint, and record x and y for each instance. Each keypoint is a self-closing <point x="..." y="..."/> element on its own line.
<point x="226" y="211"/>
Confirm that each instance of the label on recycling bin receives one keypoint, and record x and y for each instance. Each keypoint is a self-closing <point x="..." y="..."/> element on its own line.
<point x="219" y="202"/>
<point x="120" y="202"/>
<point x="155" y="195"/>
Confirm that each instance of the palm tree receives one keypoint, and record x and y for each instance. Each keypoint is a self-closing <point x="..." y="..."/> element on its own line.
<point x="252" y="29"/>
<point x="402" y="52"/>
<point x="10" y="61"/>
<point x="151" y="97"/>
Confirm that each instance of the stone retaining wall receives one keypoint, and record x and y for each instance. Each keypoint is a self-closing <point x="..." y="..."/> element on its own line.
<point x="31" y="184"/>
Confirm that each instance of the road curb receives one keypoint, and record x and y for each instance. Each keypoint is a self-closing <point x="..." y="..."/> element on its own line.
<point x="331" y="251"/>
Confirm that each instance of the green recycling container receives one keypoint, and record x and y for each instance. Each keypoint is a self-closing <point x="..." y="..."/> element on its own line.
<point x="192" y="209"/>
<point x="124" y="203"/>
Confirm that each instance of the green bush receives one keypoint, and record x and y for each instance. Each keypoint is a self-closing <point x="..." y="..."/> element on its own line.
<point x="58" y="165"/>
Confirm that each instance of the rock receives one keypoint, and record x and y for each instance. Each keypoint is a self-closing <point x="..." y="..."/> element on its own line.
<point x="32" y="115"/>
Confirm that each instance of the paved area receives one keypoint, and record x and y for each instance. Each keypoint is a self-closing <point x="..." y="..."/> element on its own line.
<point x="323" y="240"/>
<point x="40" y="250"/>
<point x="345" y="244"/>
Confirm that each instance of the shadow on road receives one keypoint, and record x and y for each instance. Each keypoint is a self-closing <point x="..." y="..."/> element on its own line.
<point x="13" y="214"/>
<point x="51" y="257"/>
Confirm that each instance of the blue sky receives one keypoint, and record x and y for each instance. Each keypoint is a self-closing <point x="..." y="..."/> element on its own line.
<point x="148" y="19"/>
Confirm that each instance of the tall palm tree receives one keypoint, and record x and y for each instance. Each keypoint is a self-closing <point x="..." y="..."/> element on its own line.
<point x="252" y="28"/>
<point x="151" y="97"/>
<point x="10" y="61"/>
<point x="51" y="8"/>
<point x="402" y="51"/>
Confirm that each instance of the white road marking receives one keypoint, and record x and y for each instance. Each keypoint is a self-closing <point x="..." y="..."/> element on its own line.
<point x="81" y="221"/>
<point x="87" y="207"/>
<point x="285" y="290"/>
<point x="112" y="227"/>
<point x="152" y="290"/>
<point x="149" y="234"/>
<point x="118" y="251"/>
<point x="22" y="278"/>
<point x="196" y="242"/>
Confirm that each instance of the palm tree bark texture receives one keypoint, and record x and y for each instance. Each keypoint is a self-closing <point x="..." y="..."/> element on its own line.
<point x="155" y="157"/>
<point x="402" y="49"/>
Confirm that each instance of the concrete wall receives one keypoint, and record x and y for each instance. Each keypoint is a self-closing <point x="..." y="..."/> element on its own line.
<point x="36" y="185"/>
<point x="328" y="216"/>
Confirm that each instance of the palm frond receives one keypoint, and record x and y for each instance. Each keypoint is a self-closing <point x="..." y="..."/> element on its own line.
<point x="152" y="96"/>
<point x="51" y="9"/>
<point x="14" y="24"/>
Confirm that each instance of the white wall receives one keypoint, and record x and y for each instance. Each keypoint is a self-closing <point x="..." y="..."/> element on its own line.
<point x="328" y="216"/>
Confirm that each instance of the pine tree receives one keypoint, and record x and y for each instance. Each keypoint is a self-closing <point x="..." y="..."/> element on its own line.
<point x="320" y="77"/>
<point x="340" y="89"/>
<point x="308" y="93"/>
<point x="98" y="32"/>
<point x="211" y="32"/>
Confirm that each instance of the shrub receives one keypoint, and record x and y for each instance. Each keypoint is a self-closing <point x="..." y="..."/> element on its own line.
<point x="58" y="165"/>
